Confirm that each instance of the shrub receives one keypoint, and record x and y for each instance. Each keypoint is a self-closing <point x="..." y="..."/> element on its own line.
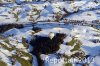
<point x="36" y="29"/>
<point x="6" y="27"/>
<point x="44" y="45"/>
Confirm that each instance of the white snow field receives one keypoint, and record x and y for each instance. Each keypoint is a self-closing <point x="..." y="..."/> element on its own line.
<point x="78" y="21"/>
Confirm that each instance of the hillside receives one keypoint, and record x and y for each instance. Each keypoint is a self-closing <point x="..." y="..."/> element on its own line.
<point x="61" y="33"/>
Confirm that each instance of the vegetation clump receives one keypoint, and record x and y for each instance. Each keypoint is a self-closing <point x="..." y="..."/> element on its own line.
<point x="71" y="43"/>
<point x="36" y="29"/>
<point x="6" y="27"/>
<point x="2" y="63"/>
<point x="68" y="64"/>
<point x="45" y="45"/>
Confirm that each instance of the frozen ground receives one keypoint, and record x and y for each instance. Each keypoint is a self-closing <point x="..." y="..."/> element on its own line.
<point x="80" y="41"/>
<point x="84" y="34"/>
<point x="32" y="12"/>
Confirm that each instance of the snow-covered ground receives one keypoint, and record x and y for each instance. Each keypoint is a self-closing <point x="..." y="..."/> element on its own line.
<point x="80" y="39"/>
<point x="84" y="34"/>
<point x="32" y="12"/>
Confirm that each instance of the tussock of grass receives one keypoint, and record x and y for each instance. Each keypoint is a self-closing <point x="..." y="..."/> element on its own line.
<point x="5" y="47"/>
<point x="71" y="43"/>
<point x="14" y="48"/>
<point x="2" y="63"/>
<point x="27" y="55"/>
<point x="22" y="61"/>
<point x="80" y="55"/>
<point x="24" y="42"/>
<point x="76" y="47"/>
<point x="76" y="43"/>
<point x="68" y="64"/>
<point x="24" y="54"/>
<point x="7" y="41"/>
<point x="10" y="49"/>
